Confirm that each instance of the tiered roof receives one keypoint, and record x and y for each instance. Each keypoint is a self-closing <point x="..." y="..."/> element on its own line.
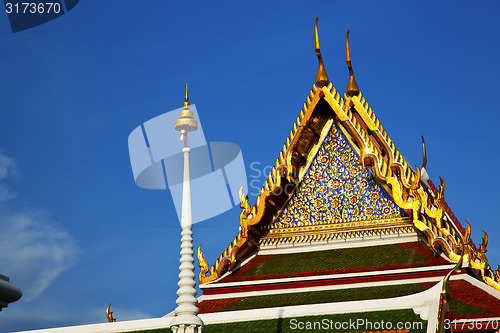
<point x="339" y="135"/>
<point x="343" y="219"/>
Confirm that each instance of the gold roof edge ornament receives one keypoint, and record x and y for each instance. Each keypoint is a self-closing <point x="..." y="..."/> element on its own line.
<point x="482" y="249"/>
<point x="109" y="314"/>
<point x="424" y="154"/>
<point x="352" y="87"/>
<point x="425" y="176"/>
<point x="202" y="264"/>
<point x="445" y="296"/>
<point x="321" y="77"/>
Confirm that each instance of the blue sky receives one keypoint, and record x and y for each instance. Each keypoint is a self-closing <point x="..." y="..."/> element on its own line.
<point x="77" y="233"/>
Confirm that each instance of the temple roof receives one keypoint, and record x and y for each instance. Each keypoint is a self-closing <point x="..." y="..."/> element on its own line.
<point x="338" y="184"/>
<point x="417" y="204"/>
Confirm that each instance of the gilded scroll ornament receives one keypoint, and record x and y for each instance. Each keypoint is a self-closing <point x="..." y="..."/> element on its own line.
<point x="469" y="252"/>
<point x="109" y="314"/>
<point x="482" y="249"/>
<point x="438" y="200"/>
<point x="202" y="264"/>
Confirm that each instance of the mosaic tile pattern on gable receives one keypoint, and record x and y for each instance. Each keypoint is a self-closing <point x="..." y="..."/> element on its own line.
<point x="336" y="188"/>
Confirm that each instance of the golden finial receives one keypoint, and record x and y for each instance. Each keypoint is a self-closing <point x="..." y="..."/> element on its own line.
<point x="109" y="314"/>
<point x="321" y="77"/>
<point x="424" y="158"/>
<point x="186" y="103"/>
<point x="352" y="87"/>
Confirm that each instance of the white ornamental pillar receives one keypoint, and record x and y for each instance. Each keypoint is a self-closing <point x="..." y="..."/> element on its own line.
<point x="186" y="318"/>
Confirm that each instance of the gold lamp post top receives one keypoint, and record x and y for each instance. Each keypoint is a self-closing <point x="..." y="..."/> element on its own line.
<point x="186" y="122"/>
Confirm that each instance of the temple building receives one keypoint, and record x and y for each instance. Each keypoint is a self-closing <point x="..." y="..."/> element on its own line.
<point x="345" y="236"/>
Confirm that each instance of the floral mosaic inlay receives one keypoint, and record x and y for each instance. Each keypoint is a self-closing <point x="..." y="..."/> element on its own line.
<point x="337" y="189"/>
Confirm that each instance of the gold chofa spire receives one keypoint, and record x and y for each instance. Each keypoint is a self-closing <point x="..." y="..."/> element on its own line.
<point x="424" y="158"/>
<point x="321" y="77"/>
<point x="352" y="87"/>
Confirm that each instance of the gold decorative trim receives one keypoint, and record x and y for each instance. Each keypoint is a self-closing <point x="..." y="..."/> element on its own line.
<point x="309" y="232"/>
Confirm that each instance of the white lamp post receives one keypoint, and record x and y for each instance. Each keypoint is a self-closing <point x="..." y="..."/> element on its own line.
<point x="186" y="318"/>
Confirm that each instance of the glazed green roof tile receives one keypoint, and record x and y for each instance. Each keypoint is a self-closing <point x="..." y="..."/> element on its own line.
<point x="323" y="296"/>
<point x="336" y="259"/>
<point x="459" y="308"/>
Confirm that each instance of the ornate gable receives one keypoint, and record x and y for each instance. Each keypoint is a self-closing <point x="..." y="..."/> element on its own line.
<point x="336" y="197"/>
<point x="337" y="189"/>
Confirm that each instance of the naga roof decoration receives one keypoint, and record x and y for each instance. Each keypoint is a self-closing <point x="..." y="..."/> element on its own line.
<point x="330" y="126"/>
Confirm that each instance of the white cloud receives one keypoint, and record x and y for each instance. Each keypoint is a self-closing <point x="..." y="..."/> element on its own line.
<point x="6" y="194"/>
<point x="8" y="169"/>
<point x="34" y="249"/>
<point x="8" y="166"/>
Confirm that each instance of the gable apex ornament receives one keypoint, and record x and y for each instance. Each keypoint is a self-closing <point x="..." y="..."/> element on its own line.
<point x="321" y="77"/>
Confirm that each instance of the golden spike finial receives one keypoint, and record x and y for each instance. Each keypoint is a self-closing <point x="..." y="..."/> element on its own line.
<point x="424" y="158"/>
<point x="109" y="314"/>
<point x="186" y="103"/>
<point x="321" y="77"/>
<point x="352" y="87"/>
